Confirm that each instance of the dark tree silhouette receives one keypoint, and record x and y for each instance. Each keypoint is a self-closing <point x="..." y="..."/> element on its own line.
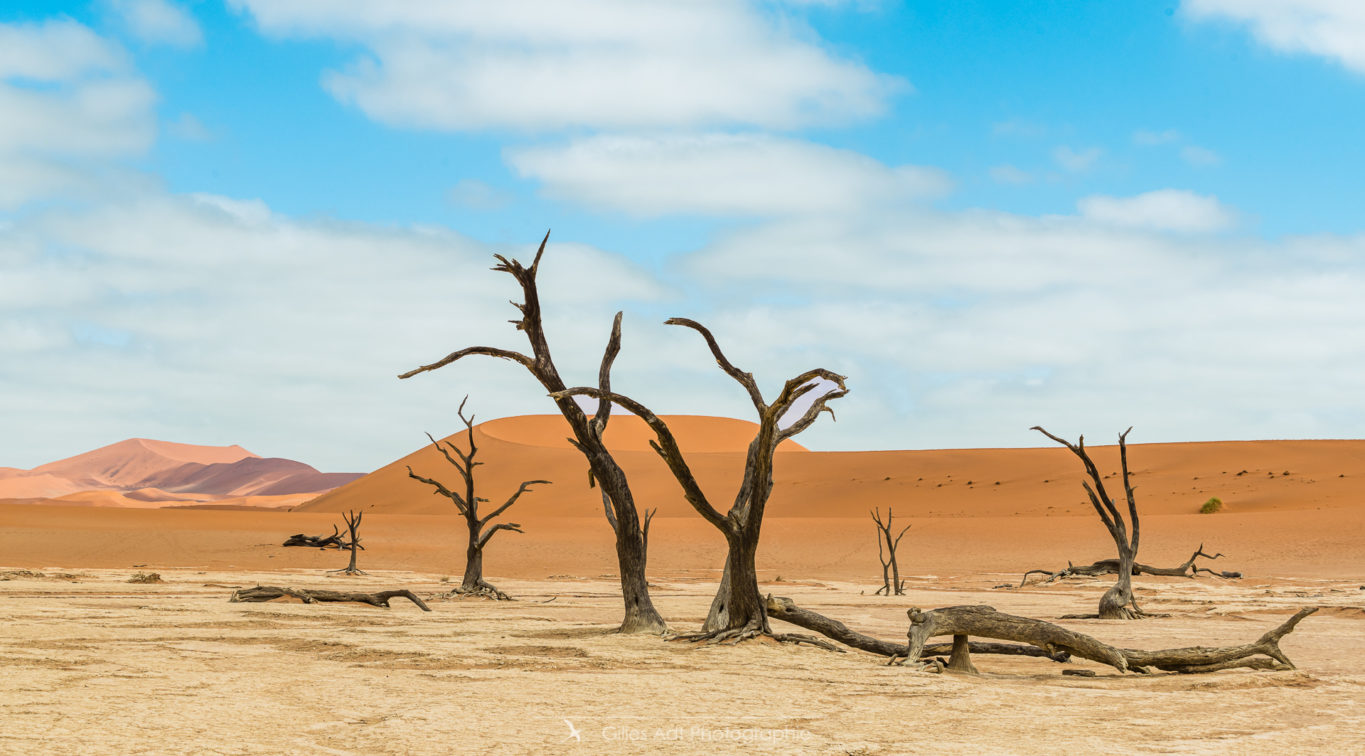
<point x="353" y="523"/>
<point x="1117" y="602"/>
<point x="631" y="537"/>
<point x="891" y="571"/>
<point x="467" y="503"/>
<point x="737" y="612"/>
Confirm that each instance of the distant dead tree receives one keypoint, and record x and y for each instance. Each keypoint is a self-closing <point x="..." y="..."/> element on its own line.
<point x="333" y="541"/>
<point x="352" y="519"/>
<point x="1111" y="567"/>
<point x="312" y="596"/>
<point x="891" y="571"/>
<point x="1117" y="602"/>
<point x="631" y="538"/>
<point x="738" y="610"/>
<point x="468" y="505"/>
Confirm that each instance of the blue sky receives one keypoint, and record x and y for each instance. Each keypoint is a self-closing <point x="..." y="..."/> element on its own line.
<point x="235" y="222"/>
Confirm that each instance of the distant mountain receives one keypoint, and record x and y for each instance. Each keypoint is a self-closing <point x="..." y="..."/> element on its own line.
<point x="160" y="471"/>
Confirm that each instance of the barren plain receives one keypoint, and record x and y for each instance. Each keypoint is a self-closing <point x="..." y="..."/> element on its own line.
<point x="95" y="664"/>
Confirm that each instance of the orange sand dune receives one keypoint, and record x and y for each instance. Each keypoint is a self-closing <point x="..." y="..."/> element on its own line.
<point x="971" y="510"/>
<point x="626" y="432"/>
<point x="535" y="447"/>
<point x="1173" y="478"/>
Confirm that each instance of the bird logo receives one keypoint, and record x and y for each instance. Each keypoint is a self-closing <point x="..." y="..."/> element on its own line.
<point x="573" y="732"/>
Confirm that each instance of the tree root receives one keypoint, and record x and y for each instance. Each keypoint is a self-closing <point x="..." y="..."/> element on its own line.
<point x="482" y="589"/>
<point x="779" y="607"/>
<point x="964" y="621"/>
<point x="752" y="631"/>
<point x="1111" y="567"/>
<point x="309" y="596"/>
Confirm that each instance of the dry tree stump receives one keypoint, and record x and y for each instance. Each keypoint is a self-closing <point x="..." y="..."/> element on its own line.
<point x="309" y="596"/>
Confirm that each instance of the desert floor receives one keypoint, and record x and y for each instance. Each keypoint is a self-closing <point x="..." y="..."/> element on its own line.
<point x="93" y="664"/>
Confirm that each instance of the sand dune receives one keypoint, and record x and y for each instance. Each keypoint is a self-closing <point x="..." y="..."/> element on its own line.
<point x="247" y="477"/>
<point x="141" y="472"/>
<point x="971" y="511"/>
<point x="130" y="462"/>
<point x="1174" y="478"/>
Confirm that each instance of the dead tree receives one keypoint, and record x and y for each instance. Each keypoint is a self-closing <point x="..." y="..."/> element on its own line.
<point x="962" y="622"/>
<point x="780" y="607"/>
<point x="1117" y="602"/>
<point x="468" y="505"/>
<point x="1111" y="567"/>
<point x="309" y="596"/>
<point x="737" y="612"/>
<point x="352" y="519"/>
<point x="640" y="614"/>
<point x="333" y="541"/>
<point x="891" y="571"/>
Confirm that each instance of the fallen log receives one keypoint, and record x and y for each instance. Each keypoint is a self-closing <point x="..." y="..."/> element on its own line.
<point x="333" y="541"/>
<point x="1111" y="567"/>
<point x="780" y="607"/>
<point x="309" y="596"/>
<point x="962" y="622"/>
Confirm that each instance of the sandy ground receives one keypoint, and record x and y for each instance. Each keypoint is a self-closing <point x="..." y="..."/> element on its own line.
<point x="95" y="665"/>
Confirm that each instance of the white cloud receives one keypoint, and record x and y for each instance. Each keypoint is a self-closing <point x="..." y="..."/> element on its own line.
<point x="544" y="65"/>
<point x="158" y="22"/>
<point x="1164" y="210"/>
<point x="1077" y="161"/>
<point x="1329" y="28"/>
<point x="963" y="329"/>
<point x="722" y="174"/>
<point x="89" y="108"/>
<point x="214" y="320"/>
<point x="55" y="51"/>
<point x="99" y="117"/>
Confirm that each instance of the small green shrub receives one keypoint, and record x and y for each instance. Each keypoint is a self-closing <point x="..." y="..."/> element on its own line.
<point x="1214" y="504"/>
<point x="146" y="577"/>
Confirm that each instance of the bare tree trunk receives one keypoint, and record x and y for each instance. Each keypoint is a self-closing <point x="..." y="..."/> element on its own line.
<point x="1118" y="602"/>
<point x="737" y="611"/>
<point x="785" y="609"/>
<point x="309" y="596"/>
<point x="718" y="618"/>
<point x="985" y="621"/>
<point x="892" y="584"/>
<point x="1111" y="566"/>
<point x="473" y="565"/>
<point x="353" y="523"/>
<point x="478" y="528"/>
<point x="640" y="614"/>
